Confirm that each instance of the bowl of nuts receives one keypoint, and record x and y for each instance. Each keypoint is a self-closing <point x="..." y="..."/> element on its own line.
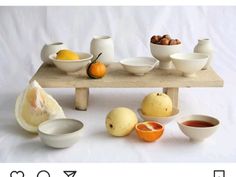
<point x="162" y="47"/>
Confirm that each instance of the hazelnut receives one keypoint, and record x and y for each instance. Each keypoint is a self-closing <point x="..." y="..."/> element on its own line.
<point x="154" y="39"/>
<point x="173" y="42"/>
<point x="166" y="36"/>
<point x="159" y="38"/>
<point x="164" y="41"/>
<point x="178" y="41"/>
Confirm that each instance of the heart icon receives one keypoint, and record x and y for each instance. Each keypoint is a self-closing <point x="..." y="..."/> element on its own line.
<point x="17" y="174"/>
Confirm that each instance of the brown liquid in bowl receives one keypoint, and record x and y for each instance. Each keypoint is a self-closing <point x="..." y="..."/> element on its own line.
<point x="197" y="123"/>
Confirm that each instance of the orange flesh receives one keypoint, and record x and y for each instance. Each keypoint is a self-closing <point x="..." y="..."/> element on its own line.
<point x="146" y="128"/>
<point x="143" y="127"/>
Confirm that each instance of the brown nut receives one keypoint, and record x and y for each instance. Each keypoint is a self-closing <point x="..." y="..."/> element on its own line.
<point x="164" y="41"/>
<point x="178" y="41"/>
<point x="173" y="42"/>
<point x="159" y="38"/>
<point x="166" y="36"/>
<point x="154" y="39"/>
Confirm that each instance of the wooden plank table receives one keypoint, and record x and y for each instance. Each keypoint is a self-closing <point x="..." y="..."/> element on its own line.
<point x="48" y="76"/>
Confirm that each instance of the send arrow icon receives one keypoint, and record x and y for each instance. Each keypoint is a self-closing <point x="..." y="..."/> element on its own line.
<point x="70" y="173"/>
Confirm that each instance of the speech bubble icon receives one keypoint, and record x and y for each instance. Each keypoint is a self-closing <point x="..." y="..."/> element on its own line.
<point x="43" y="173"/>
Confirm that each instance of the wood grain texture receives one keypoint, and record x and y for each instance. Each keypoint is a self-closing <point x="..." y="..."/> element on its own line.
<point x="81" y="98"/>
<point x="51" y="77"/>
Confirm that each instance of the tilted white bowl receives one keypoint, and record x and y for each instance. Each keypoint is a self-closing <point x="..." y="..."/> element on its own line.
<point x="162" y="120"/>
<point x="163" y="52"/>
<point x="139" y="65"/>
<point x="198" y="134"/>
<point x="189" y="63"/>
<point x="71" y="66"/>
<point x="60" y="133"/>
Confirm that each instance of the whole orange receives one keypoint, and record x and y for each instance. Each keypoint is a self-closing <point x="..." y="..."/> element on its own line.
<point x="96" y="70"/>
<point x="149" y="131"/>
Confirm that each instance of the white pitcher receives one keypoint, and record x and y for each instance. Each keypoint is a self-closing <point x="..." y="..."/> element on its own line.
<point x="205" y="46"/>
<point x="49" y="49"/>
<point x="104" y="45"/>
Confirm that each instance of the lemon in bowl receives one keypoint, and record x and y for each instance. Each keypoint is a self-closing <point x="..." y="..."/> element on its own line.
<point x="67" y="55"/>
<point x="70" y="61"/>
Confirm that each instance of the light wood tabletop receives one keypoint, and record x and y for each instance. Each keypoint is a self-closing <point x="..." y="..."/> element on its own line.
<point x="48" y="76"/>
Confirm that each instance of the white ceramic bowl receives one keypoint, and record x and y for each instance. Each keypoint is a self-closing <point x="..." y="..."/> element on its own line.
<point x="139" y="65"/>
<point x="163" y="52"/>
<point x="198" y="134"/>
<point x="162" y="120"/>
<point x="71" y="66"/>
<point x="189" y="63"/>
<point x="60" y="133"/>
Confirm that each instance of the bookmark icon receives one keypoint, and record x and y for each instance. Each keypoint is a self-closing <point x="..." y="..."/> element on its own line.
<point x="219" y="173"/>
<point x="70" y="173"/>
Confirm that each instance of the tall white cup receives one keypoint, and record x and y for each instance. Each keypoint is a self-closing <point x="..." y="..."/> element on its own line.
<point x="104" y="45"/>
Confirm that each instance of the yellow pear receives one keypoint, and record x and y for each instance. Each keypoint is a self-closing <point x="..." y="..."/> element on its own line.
<point x="157" y="105"/>
<point x="121" y="121"/>
<point x="67" y="55"/>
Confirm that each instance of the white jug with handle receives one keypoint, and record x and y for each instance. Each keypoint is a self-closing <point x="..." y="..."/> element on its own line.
<point x="205" y="46"/>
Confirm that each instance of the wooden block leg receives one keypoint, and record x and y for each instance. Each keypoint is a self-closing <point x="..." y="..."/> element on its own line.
<point x="173" y="94"/>
<point x="81" y="98"/>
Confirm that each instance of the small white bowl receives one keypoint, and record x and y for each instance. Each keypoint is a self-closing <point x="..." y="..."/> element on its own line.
<point x="189" y="63"/>
<point x="163" y="52"/>
<point x="162" y="120"/>
<point x="72" y="66"/>
<point x="60" y="133"/>
<point x="198" y="134"/>
<point x="139" y="65"/>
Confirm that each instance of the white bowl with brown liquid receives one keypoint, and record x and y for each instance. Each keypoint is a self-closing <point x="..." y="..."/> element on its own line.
<point x="198" y="127"/>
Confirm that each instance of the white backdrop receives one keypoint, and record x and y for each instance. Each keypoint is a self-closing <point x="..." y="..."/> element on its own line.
<point x="23" y="32"/>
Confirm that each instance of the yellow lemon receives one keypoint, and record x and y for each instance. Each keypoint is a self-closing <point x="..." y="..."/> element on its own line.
<point x="157" y="104"/>
<point x="67" y="55"/>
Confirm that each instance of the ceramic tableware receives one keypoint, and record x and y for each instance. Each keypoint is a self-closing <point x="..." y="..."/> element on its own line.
<point x="138" y="65"/>
<point x="205" y="46"/>
<point x="189" y="63"/>
<point x="163" y="52"/>
<point x="49" y="49"/>
<point x="104" y="45"/>
<point x="162" y="120"/>
<point x="60" y="133"/>
<point x="72" y="66"/>
<point x="198" y="127"/>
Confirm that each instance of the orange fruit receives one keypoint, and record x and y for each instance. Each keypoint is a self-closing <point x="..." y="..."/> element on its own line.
<point x="96" y="70"/>
<point x="149" y="131"/>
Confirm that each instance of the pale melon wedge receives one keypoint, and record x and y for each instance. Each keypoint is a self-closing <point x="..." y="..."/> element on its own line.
<point x="35" y="106"/>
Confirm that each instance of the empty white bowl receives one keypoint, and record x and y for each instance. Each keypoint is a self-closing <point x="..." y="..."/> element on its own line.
<point x="71" y="66"/>
<point x="189" y="63"/>
<point x="162" y="120"/>
<point x="163" y="52"/>
<point x="139" y="65"/>
<point x="60" y="133"/>
<point x="198" y="134"/>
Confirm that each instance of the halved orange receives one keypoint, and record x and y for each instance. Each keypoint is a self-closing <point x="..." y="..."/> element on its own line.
<point x="149" y="130"/>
